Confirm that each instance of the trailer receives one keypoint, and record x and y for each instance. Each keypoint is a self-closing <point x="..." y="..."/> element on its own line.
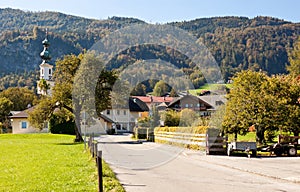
<point x="285" y="145"/>
<point x="242" y="146"/>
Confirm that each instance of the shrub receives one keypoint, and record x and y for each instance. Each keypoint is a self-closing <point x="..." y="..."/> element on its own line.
<point x="171" y="118"/>
<point x="59" y="125"/>
<point x="188" y="117"/>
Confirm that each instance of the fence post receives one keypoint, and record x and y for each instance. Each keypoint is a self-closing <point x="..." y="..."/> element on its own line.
<point x="100" y="176"/>
<point x="147" y="134"/>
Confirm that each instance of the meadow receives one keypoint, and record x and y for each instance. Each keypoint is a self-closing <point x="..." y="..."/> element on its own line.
<point x="48" y="162"/>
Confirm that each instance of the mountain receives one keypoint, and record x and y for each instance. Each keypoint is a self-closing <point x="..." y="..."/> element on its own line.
<point x="237" y="43"/>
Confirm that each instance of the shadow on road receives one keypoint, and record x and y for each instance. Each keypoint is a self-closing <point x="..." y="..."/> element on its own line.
<point x="122" y="142"/>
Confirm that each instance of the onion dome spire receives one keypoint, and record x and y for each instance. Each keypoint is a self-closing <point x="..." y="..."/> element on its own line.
<point x="45" y="54"/>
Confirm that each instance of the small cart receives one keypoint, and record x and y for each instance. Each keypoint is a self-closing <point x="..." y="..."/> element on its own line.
<point x="242" y="146"/>
<point x="285" y="145"/>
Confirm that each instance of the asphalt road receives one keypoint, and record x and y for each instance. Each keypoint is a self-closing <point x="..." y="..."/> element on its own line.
<point x="151" y="167"/>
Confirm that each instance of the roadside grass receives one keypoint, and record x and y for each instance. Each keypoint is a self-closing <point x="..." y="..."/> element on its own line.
<point x="48" y="162"/>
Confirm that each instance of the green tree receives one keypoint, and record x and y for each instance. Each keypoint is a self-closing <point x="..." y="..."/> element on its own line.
<point x="171" y="118"/>
<point x="289" y="96"/>
<point x="139" y="90"/>
<point x="44" y="86"/>
<point x="5" y="108"/>
<point x="41" y="113"/>
<point x="173" y="93"/>
<point x="188" y="117"/>
<point x="161" y="88"/>
<point x="250" y="103"/>
<point x="20" y="97"/>
<point x="90" y="79"/>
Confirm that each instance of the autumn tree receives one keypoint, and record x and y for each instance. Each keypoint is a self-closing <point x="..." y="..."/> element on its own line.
<point x="249" y="104"/>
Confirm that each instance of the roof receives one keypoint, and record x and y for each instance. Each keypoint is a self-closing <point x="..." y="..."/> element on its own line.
<point x="192" y="97"/>
<point x="21" y="114"/>
<point x="105" y="118"/>
<point x="11" y="113"/>
<point x="214" y="100"/>
<point x="154" y="99"/>
<point x="137" y="105"/>
<point x="44" y="64"/>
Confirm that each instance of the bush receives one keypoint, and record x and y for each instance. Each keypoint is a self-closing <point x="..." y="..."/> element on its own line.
<point x="171" y="118"/>
<point x="59" y="125"/>
<point x="188" y="117"/>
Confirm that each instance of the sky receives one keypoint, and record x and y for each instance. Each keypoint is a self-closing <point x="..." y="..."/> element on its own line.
<point x="163" y="11"/>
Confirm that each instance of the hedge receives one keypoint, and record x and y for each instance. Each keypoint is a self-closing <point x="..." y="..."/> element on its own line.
<point x="198" y="129"/>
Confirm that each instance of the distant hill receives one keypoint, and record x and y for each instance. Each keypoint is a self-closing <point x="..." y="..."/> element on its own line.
<point x="236" y="42"/>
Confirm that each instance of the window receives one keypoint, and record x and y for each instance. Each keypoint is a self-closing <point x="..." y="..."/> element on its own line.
<point x="118" y="112"/>
<point x="186" y="105"/>
<point x="198" y="104"/>
<point x="191" y="105"/>
<point x="24" y="125"/>
<point x="49" y="71"/>
<point x="42" y="71"/>
<point x="124" y="112"/>
<point x="107" y="112"/>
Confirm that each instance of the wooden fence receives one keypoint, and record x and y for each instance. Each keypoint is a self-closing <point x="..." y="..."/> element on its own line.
<point x="213" y="144"/>
<point x="181" y="138"/>
<point x="93" y="146"/>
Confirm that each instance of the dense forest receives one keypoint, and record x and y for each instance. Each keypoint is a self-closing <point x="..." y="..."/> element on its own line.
<point x="237" y="43"/>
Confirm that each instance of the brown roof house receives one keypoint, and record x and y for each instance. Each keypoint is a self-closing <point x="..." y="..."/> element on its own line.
<point x="191" y="102"/>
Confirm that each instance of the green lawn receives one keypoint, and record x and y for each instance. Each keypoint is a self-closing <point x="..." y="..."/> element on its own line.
<point x="210" y="87"/>
<point x="47" y="162"/>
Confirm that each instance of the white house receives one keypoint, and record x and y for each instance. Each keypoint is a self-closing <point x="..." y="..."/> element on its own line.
<point x="125" y="118"/>
<point x="20" y="123"/>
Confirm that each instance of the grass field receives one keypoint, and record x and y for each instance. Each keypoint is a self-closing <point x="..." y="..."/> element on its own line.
<point x="47" y="162"/>
<point x="210" y="87"/>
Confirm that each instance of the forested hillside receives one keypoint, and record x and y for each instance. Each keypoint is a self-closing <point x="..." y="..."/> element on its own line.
<point x="236" y="42"/>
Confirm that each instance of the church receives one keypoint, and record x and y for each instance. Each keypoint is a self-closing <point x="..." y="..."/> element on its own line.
<point x="19" y="119"/>
<point x="45" y="84"/>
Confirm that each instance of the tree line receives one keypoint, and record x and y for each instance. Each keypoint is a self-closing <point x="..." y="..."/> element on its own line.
<point x="237" y="43"/>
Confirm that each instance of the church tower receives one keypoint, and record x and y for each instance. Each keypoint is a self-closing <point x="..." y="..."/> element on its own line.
<point x="45" y="83"/>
